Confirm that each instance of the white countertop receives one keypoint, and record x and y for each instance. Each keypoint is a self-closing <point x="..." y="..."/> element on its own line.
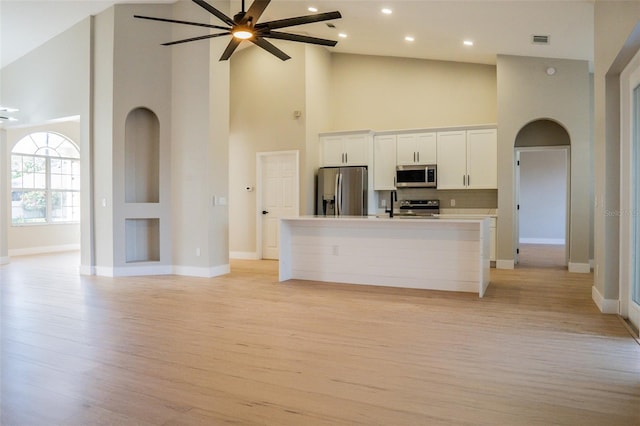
<point x="380" y="218"/>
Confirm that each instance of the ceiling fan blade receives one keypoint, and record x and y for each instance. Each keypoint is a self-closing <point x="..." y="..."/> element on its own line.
<point x="204" y="37"/>
<point x="255" y="11"/>
<point x="258" y="41"/>
<point x="181" y="22"/>
<point x="300" y="20"/>
<point x="300" y="38"/>
<point x="221" y="16"/>
<point x="231" y="47"/>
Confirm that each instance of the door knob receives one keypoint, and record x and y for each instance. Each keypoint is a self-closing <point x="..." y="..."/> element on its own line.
<point x="264" y="212"/>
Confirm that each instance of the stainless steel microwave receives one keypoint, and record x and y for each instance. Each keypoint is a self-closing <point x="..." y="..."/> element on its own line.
<point x="422" y="176"/>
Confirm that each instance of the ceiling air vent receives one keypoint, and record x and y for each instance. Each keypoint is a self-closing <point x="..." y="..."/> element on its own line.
<point x="540" y="39"/>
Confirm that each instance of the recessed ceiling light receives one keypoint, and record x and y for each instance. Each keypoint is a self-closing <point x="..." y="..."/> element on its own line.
<point x="312" y="9"/>
<point x="342" y="35"/>
<point x="387" y="11"/>
<point x="468" y="43"/>
<point x="409" y="38"/>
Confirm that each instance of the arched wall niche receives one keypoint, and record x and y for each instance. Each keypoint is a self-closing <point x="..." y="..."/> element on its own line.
<point x="142" y="156"/>
<point x="542" y="132"/>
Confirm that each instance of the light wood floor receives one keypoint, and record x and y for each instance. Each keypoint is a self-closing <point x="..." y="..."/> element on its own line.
<point x="245" y="349"/>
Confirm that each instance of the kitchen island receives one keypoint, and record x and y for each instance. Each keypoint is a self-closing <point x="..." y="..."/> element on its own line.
<point x="435" y="254"/>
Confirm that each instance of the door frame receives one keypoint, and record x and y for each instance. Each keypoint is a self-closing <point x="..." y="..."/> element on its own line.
<point x="260" y="157"/>
<point x="630" y="80"/>
<point x="567" y="230"/>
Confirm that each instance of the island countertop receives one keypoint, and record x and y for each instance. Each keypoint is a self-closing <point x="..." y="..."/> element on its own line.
<point x="429" y="253"/>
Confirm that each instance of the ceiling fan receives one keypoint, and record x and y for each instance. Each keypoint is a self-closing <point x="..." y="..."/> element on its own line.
<point x="245" y="26"/>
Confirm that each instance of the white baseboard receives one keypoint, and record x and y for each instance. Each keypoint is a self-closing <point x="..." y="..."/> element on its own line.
<point x="505" y="264"/>
<point x="246" y="255"/>
<point x="87" y="270"/>
<point x="5" y="260"/>
<point x="195" y="271"/>
<point x="133" y="271"/>
<point x="606" y="306"/>
<point x="581" y="268"/>
<point x="552" y="241"/>
<point x="43" y="249"/>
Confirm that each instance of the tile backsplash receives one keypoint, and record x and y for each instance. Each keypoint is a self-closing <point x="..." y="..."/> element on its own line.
<point x="463" y="199"/>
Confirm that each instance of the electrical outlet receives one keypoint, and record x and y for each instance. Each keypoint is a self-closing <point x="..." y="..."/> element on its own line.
<point x="384" y="202"/>
<point x="453" y="202"/>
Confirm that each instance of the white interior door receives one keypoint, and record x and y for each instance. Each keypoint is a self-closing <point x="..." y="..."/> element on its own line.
<point x="279" y="196"/>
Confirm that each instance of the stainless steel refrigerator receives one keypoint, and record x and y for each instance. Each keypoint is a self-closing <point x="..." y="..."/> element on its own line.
<point x="342" y="191"/>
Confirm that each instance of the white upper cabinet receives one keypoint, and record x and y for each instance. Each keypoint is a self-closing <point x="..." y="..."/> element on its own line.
<point x="467" y="159"/>
<point x="482" y="159"/>
<point x="452" y="159"/>
<point x="384" y="162"/>
<point x="345" y="150"/>
<point x="416" y="148"/>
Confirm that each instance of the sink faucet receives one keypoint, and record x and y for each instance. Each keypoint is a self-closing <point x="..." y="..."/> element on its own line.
<point x="393" y="196"/>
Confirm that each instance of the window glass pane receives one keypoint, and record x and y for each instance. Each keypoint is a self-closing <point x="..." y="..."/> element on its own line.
<point x="39" y="138"/>
<point x="67" y="149"/>
<point x="28" y="207"/>
<point x="65" y="206"/>
<point x="56" y="181"/>
<point x="16" y="171"/>
<point x="25" y="146"/>
<point x="56" y="165"/>
<point x="40" y="180"/>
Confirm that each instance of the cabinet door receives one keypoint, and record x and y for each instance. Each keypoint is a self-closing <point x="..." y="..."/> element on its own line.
<point x="406" y="150"/>
<point x="426" y="148"/>
<point x="356" y="150"/>
<point x="384" y="163"/>
<point x="332" y="150"/>
<point x="452" y="164"/>
<point x="482" y="159"/>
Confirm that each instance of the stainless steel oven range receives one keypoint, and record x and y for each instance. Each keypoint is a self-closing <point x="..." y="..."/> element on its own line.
<point x="419" y="208"/>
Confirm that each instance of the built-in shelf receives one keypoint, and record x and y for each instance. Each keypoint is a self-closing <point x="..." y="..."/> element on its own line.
<point x="142" y="240"/>
<point x="142" y="157"/>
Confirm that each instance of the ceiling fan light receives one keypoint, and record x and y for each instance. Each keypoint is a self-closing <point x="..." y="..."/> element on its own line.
<point x="242" y="33"/>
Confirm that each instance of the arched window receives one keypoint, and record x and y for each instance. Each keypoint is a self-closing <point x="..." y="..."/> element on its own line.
<point x="45" y="180"/>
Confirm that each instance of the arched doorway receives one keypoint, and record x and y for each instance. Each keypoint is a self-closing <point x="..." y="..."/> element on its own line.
<point x="542" y="193"/>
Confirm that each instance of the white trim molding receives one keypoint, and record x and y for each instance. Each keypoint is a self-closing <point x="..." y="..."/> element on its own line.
<point x="87" y="270"/>
<point x="606" y="306"/>
<point x="195" y="271"/>
<point x="245" y="255"/>
<point x="43" y="249"/>
<point x="505" y="264"/>
<point x="5" y="260"/>
<point x="552" y="241"/>
<point x="580" y="268"/>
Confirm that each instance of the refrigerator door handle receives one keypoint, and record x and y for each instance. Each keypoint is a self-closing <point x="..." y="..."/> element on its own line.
<point x="336" y="202"/>
<point x="339" y="196"/>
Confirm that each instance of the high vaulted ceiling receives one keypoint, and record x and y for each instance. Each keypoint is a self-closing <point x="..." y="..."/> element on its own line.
<point x="438" y="27"/>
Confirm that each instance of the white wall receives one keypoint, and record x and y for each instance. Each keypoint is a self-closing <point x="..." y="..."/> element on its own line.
<point x="4" y="199"/>
<point x="543" y="196"/>
<point x="385" y="93"/>
<point x="525" y="94"/>
<point x="199" y="149"/>
<point x="265" y="92"/>
<point x="614" y="22"/>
